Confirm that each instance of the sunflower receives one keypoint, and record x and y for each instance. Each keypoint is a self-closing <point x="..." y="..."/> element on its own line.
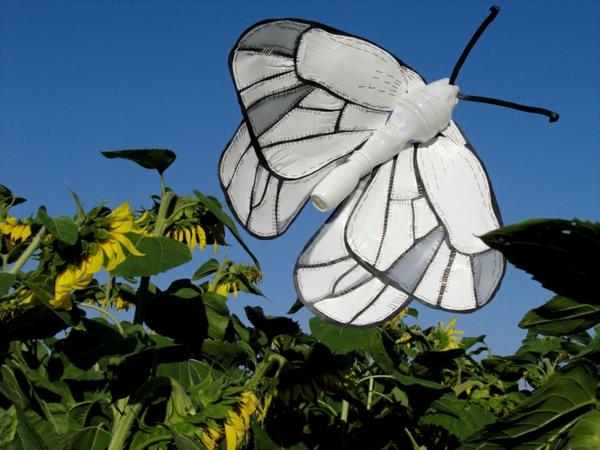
<point x="109" y="249"/>
<point x="14" y="231"/>
<point x="191" y="235"/>
<point x="75" y="278"/>
<point x="210" y="437"/>
<point x="230" y="281"/>
<point x="238" y="419"/>
<point x="120" y="222"/>
<point x="448" y="336"/>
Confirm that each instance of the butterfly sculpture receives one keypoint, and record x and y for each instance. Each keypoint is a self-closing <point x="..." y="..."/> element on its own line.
<point x="331" y="116"/>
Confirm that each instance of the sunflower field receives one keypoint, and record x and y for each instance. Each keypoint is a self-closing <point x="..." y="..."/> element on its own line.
<point x="187" y="374"/>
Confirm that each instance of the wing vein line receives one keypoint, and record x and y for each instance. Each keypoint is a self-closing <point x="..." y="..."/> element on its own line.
<point x="387" y="209"/>
<point x="379" y="294"/>
<point x="267" y="78"/>
<point x="445" y="277"/>
<point x="237" y="165"/>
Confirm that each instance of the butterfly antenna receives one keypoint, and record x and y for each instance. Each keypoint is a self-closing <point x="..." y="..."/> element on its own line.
<point x="494" y="10"/>
<point x="552" y="116"/>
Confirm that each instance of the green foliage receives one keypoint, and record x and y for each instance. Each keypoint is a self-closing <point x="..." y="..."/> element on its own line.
<point x="159" y="255"/>
<point x="189" y="374"/>
<point x="62" y="228"/>
<point x="560" y="254"/>
<point x="158" y="159"/>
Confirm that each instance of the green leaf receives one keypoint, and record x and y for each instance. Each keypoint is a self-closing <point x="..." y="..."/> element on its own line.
<point x="160" y="254"/>
<point x="561" y="316"/>
<point x="143" y="439"/>
<point x="585" y="435"/>
<point x="85" y="347"/>
<point x="297" y="306"/>
<point x="179" y="313"/>
<point x="84" y="413"/>
<point x="213" y="205"/>
<point x="27" y="436"/>
<point x="62" y="228"/>
<point x="560" y="254"/>
<point x="179" y="405"/>
<point x="38" y="322"/>
<point x="189" y="373"/>
<point x="159" y="159"/>
<point x="208" y="268"/>
<point x="6" y="282"/>
<point x="342" y="339"/>
<point x="10" y="388"/>
<point x="40" y="289"/>
<point x="183" y="442"/>
<point x="271" y="326"/>
<point x="467" y="342"/>
<point x="569" y="393"/>
<point x="8" y="426"/>
<point x="407" y="380"/>
<point x="217" y="314"/>
<point x="90" y="438"/>
<point x="457" y="416"/>
<point x="225" y="354"/>
<point x="8" y="198"/>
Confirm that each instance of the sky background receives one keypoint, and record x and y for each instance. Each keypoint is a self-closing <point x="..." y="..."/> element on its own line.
<point x="80" y="77"/>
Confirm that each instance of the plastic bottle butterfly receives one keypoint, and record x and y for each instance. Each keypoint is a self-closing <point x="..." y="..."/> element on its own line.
<point x="336" y="118"/>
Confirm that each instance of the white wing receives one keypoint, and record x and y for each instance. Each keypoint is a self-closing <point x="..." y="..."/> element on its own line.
<point x="334" y="285"/>
<point x="310" y="96"/>
<point x="416" y="225"/>
<point x="263" y="203"/>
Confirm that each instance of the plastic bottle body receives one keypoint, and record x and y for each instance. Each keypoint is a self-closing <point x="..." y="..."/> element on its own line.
<point x="419" y="116"/>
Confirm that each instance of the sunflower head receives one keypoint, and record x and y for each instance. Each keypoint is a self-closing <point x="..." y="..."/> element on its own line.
<point x="192" y="235"/>
<point x="13" y="232"/>
<point x="238" y="419"/>
<point x="447" y="337"/>
<point x="232" y="278"/>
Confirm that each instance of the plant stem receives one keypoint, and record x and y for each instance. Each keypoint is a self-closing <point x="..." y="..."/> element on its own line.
<point x="159" y="228"/>
<point x="163" y="209"/>
<point x="104" y="313"/>
<point x="415" y="446"/>
<point x="32" y="247"/>
<point x="163" y="186"/>
<point x="371" y="377"/>
<point x="265" y="365"/>
<point x="345" y="409"/>
<point x="122" y="424"/>
<point x="370" y="395"/>
<point x="176" y="211"/>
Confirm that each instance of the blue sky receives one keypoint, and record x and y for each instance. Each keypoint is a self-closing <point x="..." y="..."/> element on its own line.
<point x="80" y="77"/>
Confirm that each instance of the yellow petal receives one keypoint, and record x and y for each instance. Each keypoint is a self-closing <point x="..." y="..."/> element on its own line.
<point x="107" y="249"/>
<point x="124" y="240"/>
<point x="222" y="289"/>
<point x="193" y="241"/>
<point x="120" y="211"/>
<point x="95" y="261"/>
<point x="201" y="237"/>
<point x="188" y="236"/>
<point x="116" y="254"/>
<point x="230" y="437"/>
<point x="62" y="302"/>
